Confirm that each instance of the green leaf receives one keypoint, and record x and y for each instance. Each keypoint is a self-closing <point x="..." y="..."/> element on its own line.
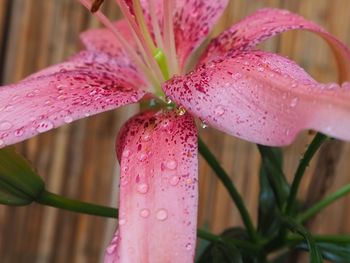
<point x="267" y="223"/>
<point x="339" y="253"/>
<point x="282" y="258"/>
<point x="272" y="164"/>
<point x="219" y="252"/>
<point x="19" y="183"/>
<point x="315" y="254"/>
<point x="233" y="246"/>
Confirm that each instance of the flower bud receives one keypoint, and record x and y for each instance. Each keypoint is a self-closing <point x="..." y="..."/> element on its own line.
<point x="19" y="183"/>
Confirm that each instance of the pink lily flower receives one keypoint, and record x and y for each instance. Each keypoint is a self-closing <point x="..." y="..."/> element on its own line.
<point x="251" y="94"/>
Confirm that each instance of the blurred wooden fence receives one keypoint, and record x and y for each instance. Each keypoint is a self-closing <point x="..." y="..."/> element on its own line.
<point x="78" y="160"/>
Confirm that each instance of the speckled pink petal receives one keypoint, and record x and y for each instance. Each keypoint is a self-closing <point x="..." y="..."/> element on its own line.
<point x="193" y="21"/>
<point x="263" y="98"/>
<point x="87" y="84"/>
<point x="103" y="40"/>
<point x="267" y="23"/>
<point x="158" y="190"/>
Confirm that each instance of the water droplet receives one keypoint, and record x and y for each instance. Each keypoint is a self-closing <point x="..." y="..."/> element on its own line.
<point x="122" y="221"/>
<point x="260" y="69"/>
<point x="204" y="124"/>
<point x="146" y="136"/>
<point x="68" y="119"/>
<point x="144" y="213"/>
<point x="162" y="214"/>
<point x="124" y="181"/>
<point x="5" y="125"/>
<point x="126" y="153"/>
<point x="19" y="132"/>
<point x="142" y="157"/>
<point x="142" y="188"/>
<point x="189" y="181"/>
<point x="168" y="100"/>
<point x="294" y="85"/>
<point x="219" y="110"/>
<point x="16" y="97"/>
<point x="61" y="97"/>
<point x="346" y="85"/>
<point x="174" y="180"/>
<point x="30" y="95"/>
<point x="180" y="111"/>
<point x="166" y="124"/>
<point x="188" y="246"/>
<point x="287" y="131"/>
<point x="171" y="164"/>
<point x="111" y="248"/>
<point x="332" y="86"/>
<point x="294" y="102"/>
<point x="237" y="76"/>
<point x="8" y="108"/>
<point x="44" y="126"/>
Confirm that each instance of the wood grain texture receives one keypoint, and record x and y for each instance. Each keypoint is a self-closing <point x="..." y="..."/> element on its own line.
<point x="78" y="160"/>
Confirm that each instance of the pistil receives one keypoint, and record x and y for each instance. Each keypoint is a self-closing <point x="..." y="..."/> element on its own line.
<point x="141" y="41"/>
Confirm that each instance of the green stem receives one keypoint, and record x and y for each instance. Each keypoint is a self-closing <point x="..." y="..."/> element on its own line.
<point x="234" y="241"/>
<point x="310" y="152"/>
<point x="50" y="199"/>
<point x="339" y="239"/>
<point x="324" y="203"/>
<point x="225" y="179"/>
<point x="275" y="174"/>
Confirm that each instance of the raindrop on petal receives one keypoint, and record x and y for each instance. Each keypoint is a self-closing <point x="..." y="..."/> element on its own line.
<point x="219" y="110"/>
<point x="146" y="137"/>
<point x="5" y="125"/>
<point x="171" y="164"/>
<point x="122" y="222"/>
<point x="294" y="102"/>
<point x="174" y="180"/>
<point x="168" y="100"/>
<point x="204" y="124"/>
<point x="68" y="119"/>
<point x="180" y="111"/>
<point x="19" y="132"/>
<point x="142" y="188"/>
<point x="144" y="213"/>
<point x="188" y="246"/>
<point x="162" y="214"/>
<point x="346" y="85"/>
<point x="126" y="153"/>
<point x="142" y="157"/>
<point x="44" y="126"/>
<point x="287" y="131"/>
<point x="111" y="248"/>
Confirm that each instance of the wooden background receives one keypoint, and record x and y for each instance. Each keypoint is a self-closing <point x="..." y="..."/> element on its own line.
<point x="78" y="160"/>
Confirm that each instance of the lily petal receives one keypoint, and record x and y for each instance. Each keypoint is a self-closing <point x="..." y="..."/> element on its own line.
<point x="263" y="98"/>
<point x="87" y="84"/>
<point x="158" y="190"/>
<point x="193" y="21"/>
<point x="103" y="40"/>
<point x="266" y="23"/>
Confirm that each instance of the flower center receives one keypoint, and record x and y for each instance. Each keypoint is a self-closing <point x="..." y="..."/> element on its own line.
<point x="156" y="51"/>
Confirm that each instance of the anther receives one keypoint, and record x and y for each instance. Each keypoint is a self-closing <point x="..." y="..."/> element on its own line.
<point x="96" y="5"/>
